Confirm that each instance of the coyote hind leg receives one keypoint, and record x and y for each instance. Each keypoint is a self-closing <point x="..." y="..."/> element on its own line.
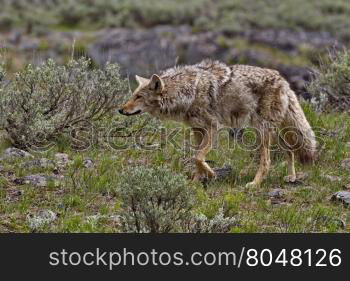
<point x="291" y="177"/>
<point x="204" y="140"/>
<point x="265" y="161"/>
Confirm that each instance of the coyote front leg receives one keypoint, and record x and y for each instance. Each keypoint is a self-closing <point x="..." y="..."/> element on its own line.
<point x="204" y="140"/>
<point x="265" y="161"/>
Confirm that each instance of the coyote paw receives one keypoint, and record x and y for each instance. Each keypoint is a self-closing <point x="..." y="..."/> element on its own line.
<point x="251" y="184"/>
<point x="290" y="179"/>
<point x="198" y="176"/>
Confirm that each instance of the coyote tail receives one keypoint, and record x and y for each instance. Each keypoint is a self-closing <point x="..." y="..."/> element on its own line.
<point x="299" y="136"/>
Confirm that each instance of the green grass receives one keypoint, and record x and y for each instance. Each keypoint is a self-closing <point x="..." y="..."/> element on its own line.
<point x="86" y="201"/>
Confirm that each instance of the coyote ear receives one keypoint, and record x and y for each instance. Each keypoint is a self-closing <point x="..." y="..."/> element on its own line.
<point x="156" y="84"/>
<point x="141" y="80"/>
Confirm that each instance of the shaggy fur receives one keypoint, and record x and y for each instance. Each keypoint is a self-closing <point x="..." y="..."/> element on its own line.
<point x="210" y="95"/>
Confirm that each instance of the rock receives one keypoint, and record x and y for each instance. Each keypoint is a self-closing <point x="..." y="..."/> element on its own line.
<point x="62" y="159"/>
<point x="276" y="193"/>
<point x="342" y="196"/>
<point x="14" y="153"/>
<point x="37" y="180"/>
<point x="276" y="196"/>
<point x="88" y="163"/>
<point x="222" y="172"/>
<point x="346" y="164"/>
<point x="141" y="52"/>
<point x="194" y="47"/>
<point x="42" y="163"/>
<point x="43" y="218"/>
<point x="13" y="194"/>
<point x="332" y="178"/>
<point x="290" y="40"/>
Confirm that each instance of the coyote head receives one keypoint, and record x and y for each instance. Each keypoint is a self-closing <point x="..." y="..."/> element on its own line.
<point x="146" y="98"/>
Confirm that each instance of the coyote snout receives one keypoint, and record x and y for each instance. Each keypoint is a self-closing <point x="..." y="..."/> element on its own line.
<point x="121" y="111"/>
<point x="211" y="93"/>
<point x="145" y="98"/>
<point x="132" y="107"/>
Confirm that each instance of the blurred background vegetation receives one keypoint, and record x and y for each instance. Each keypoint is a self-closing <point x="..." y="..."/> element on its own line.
<point x="228" y="15"/>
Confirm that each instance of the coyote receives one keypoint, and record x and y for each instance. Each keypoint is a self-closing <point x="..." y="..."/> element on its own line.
<point x="209" y="95"/>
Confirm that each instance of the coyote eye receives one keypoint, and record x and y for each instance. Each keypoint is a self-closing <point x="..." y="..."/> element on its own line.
<point x="138" y="97"/>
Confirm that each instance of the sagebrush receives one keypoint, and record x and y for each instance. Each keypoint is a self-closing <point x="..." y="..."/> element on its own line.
<point x="158" y="200"/>
<point x="238" y="15"/>
<point x="42" y="102"/>
<point x="154" y="200"/>
<point x="331" y="87"/>
<point x="218" y="224"/>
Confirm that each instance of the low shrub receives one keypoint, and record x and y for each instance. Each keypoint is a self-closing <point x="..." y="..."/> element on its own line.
<point x="331" y="87"/>
<point x="157" y="200"/>
<point x="154" y="200"/>
<point x="6" y="22"/>
<point x="42" y="102"/>
<point x="218" y="224"/>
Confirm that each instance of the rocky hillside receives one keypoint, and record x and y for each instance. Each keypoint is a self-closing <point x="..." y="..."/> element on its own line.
<point x="145" y="51"/>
